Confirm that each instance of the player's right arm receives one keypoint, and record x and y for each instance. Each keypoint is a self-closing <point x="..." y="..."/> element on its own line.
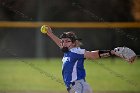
<point x="52" y="36"/>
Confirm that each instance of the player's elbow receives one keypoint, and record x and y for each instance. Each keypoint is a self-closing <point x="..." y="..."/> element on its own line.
<point x="91" y="55"/>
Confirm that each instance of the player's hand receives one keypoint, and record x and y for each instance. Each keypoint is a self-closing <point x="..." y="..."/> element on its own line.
<point x="45" y="29"/>
<point x="125" y="53"/>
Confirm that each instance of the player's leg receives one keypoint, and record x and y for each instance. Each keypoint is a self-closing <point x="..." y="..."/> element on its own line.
<point x="87" y="88"/>
<point x="81" y="87"/>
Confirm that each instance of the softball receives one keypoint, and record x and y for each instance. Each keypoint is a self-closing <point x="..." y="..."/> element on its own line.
<point x="44" y="29"/>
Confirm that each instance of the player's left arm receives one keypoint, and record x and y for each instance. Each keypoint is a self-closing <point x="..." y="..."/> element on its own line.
<point x="124" y="52"/>
<point x="98" y="54"/>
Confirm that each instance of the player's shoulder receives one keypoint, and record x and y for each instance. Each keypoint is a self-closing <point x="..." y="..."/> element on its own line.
<point x="77" y="50"/>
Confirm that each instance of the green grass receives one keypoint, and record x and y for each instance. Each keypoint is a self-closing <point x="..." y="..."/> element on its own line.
<point x="44" y="74"/>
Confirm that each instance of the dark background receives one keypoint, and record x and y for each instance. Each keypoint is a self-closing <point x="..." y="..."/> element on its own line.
<point x="66" y="10"/>
<point x="29" y="42"/>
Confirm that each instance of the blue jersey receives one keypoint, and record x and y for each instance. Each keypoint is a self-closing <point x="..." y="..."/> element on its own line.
<point x="73" y="65"/>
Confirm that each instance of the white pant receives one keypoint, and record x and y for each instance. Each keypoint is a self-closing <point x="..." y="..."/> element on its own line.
<point x="80" y="87"/>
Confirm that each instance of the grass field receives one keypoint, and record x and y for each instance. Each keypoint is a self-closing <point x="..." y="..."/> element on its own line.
<point x="45" y="75"/>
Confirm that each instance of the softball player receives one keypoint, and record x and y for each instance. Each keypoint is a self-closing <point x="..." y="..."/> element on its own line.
<point x="73" y="61"/>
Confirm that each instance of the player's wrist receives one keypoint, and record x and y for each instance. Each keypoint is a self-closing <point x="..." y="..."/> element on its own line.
<point x="105" y="53"/>
<point x="112" y="52"/>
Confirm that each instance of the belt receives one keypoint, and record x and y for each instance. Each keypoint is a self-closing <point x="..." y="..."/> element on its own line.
<point x="71" y="84"/>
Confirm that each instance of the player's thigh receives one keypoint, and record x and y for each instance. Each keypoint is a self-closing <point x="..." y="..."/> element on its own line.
<point x="77" y="88"/>
<point x="81" y="87"/>
<point x="87" y="88"/>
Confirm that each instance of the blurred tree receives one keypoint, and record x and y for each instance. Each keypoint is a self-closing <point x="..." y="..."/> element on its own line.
<point x="108" y="10"/>
<point x="136" y="9"/>
<point x="66" y="10"/>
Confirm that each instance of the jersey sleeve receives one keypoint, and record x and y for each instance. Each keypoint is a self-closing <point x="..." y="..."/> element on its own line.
<point x="78" y="53"/>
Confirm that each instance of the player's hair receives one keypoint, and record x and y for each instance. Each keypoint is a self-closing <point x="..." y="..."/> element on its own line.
<point x="78" y="43"/>
<point x="72" y="36"/>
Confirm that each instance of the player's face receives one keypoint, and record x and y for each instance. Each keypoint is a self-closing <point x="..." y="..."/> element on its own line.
<point x="66" y="42"/>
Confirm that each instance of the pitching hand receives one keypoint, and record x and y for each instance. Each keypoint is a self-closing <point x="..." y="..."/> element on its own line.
<point x="45" y="29"/>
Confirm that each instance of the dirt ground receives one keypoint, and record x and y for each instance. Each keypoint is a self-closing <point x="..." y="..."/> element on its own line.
<point x="61" y="92"/>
